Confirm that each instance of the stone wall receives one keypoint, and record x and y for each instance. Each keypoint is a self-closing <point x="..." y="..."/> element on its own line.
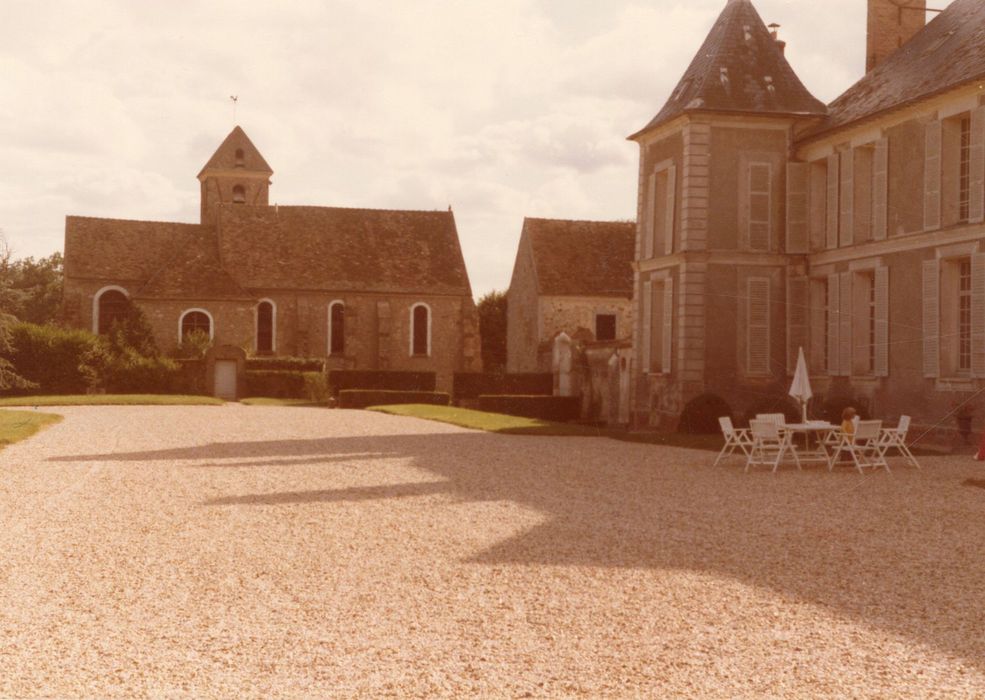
<point x="522" y="314"/>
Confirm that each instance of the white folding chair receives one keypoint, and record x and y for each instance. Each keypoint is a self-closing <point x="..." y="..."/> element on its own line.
<point x="863" y="446"/>
<point x="895" y="439"/>
<point x="735" y="439"/>
<point x="777" y="418"/>
<point x="769" y="445"/>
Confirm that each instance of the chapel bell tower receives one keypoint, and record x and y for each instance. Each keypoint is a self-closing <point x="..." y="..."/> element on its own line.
<point x="235" y="174"/>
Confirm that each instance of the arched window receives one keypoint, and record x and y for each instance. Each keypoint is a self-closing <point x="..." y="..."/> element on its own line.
<point x="265" y="327"/>
<point x="195" y="320"/>
<point x="420" y="334"/>
<point x="240" y="158"/>
<point x="111" y="305"/>
<point x="336" y="328"/>
<point x="239" y="194"/>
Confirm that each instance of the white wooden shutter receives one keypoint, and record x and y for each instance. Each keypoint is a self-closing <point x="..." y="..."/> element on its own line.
<point x="651" y="199"/>
<point x="847" y="224"/>
<point x="845" y="326"/>
<point x="797" y="212"/>
<point x="667" y="337"/>
<point x="669" y="211"/>
<point x="831" y="218"/>
<point x="798" y="302"/>
<point x="881" y="340"/>
<point x="978" y="314"/>
<point x="932" y="177"/>
<point x="819" y="331"/>
<point x="976" y="202"/>
<point x="931" y="318"/>
<point x="758" y="325"/>
<point x="647" y="324"/>
<point x="834" y="312"/>
<point x="880" y="190"/>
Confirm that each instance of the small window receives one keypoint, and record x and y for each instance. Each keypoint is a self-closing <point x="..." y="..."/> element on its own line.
<point x="112" y="308"/>
<point x="239" y="194"/>
<point x="420" y="331"/>
<point x="195" y="322"/>
<point x="265" y="328"/>
<point x="605" y="327"/>
<point x="336" y="329"/>
<point x="240" y="158"/>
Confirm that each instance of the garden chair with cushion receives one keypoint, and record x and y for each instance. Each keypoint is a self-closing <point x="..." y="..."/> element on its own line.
<point x="735" y="439"/>
<point x="769" y="445"/>
<point x="895" y="439"/>
<point x="863" y="447"/>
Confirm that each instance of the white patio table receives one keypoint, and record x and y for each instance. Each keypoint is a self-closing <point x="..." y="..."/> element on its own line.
<point x="816" y="432"/>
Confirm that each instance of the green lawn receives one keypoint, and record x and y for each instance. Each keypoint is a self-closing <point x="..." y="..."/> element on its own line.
<point x="20" y="425"/>
<point x="515" y="425"/>
<point x="267" y="401"/>
<point x="111" y="400"/>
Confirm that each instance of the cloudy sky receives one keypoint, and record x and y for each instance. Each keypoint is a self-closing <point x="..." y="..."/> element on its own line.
<point x="500" y="108"/>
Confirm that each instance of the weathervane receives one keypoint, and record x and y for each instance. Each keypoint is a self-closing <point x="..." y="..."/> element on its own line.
<point x="235" y="99"/>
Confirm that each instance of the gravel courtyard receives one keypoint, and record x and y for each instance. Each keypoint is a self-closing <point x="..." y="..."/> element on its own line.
<point x="251" y="551"/>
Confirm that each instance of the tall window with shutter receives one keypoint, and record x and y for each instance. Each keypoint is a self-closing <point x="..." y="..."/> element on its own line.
<point x="798" y="214"/>
<point x="819" y="324"/>
<point x="955" y="169"/>
<point x="758" y="326"/>
<point x="759" y="178"/>
<point x="798" y="319"/>
<point x="818" y="203"/>
<point x="658" y="325"/>
<point x="833" y="324"/>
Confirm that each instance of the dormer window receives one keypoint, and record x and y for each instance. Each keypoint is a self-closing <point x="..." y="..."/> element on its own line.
<point x="240" y="158"/>
<point x="239" y="194"/>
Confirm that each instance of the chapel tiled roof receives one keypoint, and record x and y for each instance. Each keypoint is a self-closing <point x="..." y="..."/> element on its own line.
<point x="582" y="258"/>
<point x="739" y="68"/>
<point x="122" y="249"/>
<point x="224" y="157"/>
<point x="947" y="53"/>
<point x="291" y="247"/>
<point x="194" y="272"/>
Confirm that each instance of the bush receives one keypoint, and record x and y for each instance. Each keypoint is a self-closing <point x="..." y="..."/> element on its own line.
<point x="383" y="380"/>
<point x="51" y="357"/>
<point x="700" y="416"/>
<point x="316" y="387"/>
<point x="358" y="398"/>
<point x="472" y="385"/>
<point x="275" y="385"/>
<point x="194" y="346"/>
<point x="552" y="408"/>
<point x="285" y="364"/>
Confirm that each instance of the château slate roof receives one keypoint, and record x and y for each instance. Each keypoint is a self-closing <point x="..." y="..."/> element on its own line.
<point x="582" y="258"/>
<point x="376" y="250"/>
<point x="224" y="157"/>
<point x="947" y="53"/>
<point x="739" y="68"/>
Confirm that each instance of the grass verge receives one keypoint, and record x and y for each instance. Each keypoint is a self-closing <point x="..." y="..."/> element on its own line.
<point x="20" y="425"/>
<point x="111" y="400"/>
<point x="515" y="425"/>
<point x="267" y="401"/>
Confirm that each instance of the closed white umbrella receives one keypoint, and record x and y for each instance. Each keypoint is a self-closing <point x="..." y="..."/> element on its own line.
<point x="801" y="387"/>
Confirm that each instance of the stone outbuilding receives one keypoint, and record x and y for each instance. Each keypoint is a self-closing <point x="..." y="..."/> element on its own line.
<point x="572" y="277"/>
<point x="364" y="288"/>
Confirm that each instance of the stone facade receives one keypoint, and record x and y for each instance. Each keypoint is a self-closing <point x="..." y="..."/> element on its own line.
<point x="298" y="262"/>
<point x="853" y="230"/>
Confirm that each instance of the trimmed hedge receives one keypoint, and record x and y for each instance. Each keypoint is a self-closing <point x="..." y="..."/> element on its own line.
<point x="285" y="364"/>
<point x="274" y="384"/>
<point x="559" y="409"/>
<point x="472" y="385"/>
<point x="51" y="357"/>
<point x="380" y="380"/>
<point x="358" y="398"/>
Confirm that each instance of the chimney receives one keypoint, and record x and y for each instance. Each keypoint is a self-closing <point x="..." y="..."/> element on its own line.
<point x="891" y="24"/>
<point x="775" y="33"/>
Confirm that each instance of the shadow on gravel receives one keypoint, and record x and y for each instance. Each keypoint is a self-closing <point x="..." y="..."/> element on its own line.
<point x="900" y="551"/>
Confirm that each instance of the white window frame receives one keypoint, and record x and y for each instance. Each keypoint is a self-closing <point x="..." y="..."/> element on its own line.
<point x="273" y="325"/>
<point x="95" y="303"/>
<point x="750" y="164"/>
<point x="181" y="321"/>
<point x="410" y="328"/>
<point x="331" y="329"/>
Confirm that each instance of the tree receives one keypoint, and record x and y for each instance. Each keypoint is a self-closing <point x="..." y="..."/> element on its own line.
<point x="9" y="378"/>
<point x="38" y="286"/>
<point x="492" y="329"/>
